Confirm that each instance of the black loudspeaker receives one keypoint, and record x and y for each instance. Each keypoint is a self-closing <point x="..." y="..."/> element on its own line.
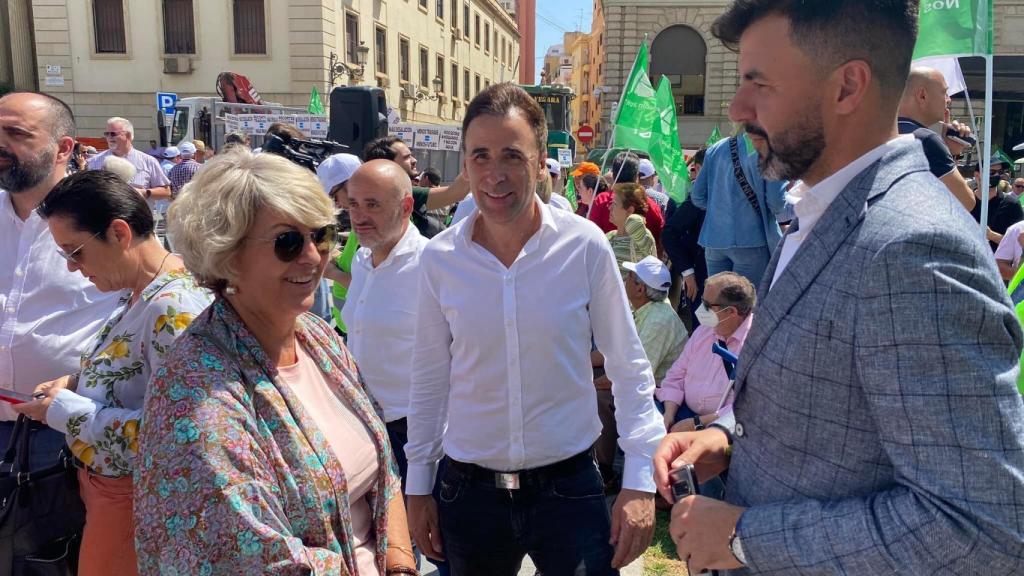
<point x="358" y="115"/>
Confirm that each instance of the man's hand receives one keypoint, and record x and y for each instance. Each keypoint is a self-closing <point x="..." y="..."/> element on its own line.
<point x="684" y="425"/>
<point x="701" y="528"/>
<point x="707" y="450"/>
<point x="690" y="287"/>
<point x="992" y="235"/>
<point x="955" y="148"/>
<point x="632" y="525"/>
<point x="423" y="525"/>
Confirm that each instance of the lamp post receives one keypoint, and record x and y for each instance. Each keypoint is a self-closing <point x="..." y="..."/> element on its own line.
<point x="337" y="68"/>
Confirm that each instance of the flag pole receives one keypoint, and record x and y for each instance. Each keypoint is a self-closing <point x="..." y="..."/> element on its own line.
<point x="986" y="160"/>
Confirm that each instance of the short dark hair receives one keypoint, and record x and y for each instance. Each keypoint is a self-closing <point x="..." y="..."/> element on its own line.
<point x="698" y="156"/>
<point x="62" y="119"/>
<point x="286" y="132"/>
<point x="589" y="181"/>
<point x="880" y="32"/>
<point x="433" y="176"/>
<point x="499" y="100"/>
<point x="625" y="167"/>
<point x="236" y="138"/>
<point x="380" y="148"/>
<point x="737" y="291"/>
<point x="93" y="199"/>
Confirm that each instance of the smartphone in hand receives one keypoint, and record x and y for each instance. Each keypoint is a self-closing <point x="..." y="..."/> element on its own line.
<point x="684" y="482"/>
<point x="12" y="397"/>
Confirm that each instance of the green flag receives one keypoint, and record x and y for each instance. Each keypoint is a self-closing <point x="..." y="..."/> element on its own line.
<point x="315" y="106"/>
<point x="637" y="109"/>
<point x="666" y="154"/>
<point x="1017" y="297"/>
<point x="716" y="135"/>
<point x="954" y="28"/>
<point x="570" y="192"/>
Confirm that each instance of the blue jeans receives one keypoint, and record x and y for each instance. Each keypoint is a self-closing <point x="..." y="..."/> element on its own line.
<point x="747" y="262"/>
<point x="561" y="521"/>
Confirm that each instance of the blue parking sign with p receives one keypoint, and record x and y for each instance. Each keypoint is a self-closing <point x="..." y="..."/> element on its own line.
<point x="165" y="101"/>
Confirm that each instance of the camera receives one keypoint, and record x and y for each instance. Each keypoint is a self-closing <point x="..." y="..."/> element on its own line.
<point x="955" y="136"/>
<point x="308" y="153"/>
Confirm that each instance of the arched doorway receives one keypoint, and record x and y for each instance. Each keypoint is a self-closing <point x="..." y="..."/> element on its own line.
<point x="679" y="52"/>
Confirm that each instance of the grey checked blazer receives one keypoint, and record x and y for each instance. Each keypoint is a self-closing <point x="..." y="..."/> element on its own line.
<point x="878" y="428"/>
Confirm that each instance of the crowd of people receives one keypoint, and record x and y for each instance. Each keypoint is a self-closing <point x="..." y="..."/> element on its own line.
<point x="262" y="369"/>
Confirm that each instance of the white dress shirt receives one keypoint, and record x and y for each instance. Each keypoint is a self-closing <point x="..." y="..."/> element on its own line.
<point x="809" y="203"/>
<point x="48" y="315"/>
<point x="380" y="313"/>
<point x="503" y="354"/>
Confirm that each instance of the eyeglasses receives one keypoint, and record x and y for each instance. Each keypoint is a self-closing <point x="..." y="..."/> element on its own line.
<point x="1018" y="186"/>
<point x="709" y="305"/>
<point x="113" y="134"/>
<point x="70" y="256"/>
<point x="288" y="245"/>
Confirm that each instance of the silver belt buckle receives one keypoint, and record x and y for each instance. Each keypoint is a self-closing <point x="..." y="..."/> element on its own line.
<point x="506" y="480"/>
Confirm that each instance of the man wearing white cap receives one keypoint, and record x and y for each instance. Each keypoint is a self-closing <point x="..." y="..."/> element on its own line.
<point x="172" y="157"/>
<point x="649" y="180"/>
<point x="182" y="173"/>
<point x="334" y="174"/>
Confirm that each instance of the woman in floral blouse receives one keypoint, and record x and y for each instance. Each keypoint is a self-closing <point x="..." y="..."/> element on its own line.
<point x="104" y="229"/>
<point x="261" y="453"/>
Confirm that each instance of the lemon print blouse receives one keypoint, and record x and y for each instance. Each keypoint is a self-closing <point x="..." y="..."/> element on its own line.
<point x="101" y="417"/>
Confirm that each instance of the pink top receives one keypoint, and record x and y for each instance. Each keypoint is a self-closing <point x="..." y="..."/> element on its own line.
<point x="351" y="443"/>
<point x="698" y="375"/>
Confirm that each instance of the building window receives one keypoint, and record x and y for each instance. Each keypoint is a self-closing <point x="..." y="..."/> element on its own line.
<point x="465" y="84"/>
<point x="487" y="83"/>
<point x="487" y="37"/>
<point x="424" y="67"/>
<point x="380" y="49"/>
<point x="179" y="28"/>
<point x="476" y="29"/>
<point x="495" y="44"/>
<point x="465" y="20"/>
<point x="108" y="23"/>
<point x="250" y="27"/>
<point x="455" y="80"/>
<point x="455" y="14"/>
<point x="423" y="4"/>
<point x="476" y="82"/>
<point x="679" y="52"/>
<point x="439" y="10"/>
<point x="351" y="37"/>
<point x="440" y="70"/>
<point x="403" y="59"/>
<point x="502" y="49"/>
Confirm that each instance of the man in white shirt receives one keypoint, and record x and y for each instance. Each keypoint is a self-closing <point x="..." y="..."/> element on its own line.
<point x="47" y="314"/>
<point x="509" y="300"/>
<point x="380" y="310"/>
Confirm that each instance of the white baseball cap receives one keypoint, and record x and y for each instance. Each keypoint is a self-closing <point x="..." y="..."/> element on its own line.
<point x="554" y="168"/>
<point x="651" y="271"/>
<point x="171" y="152"/>
<point x="646" y="168"/>
<point x="337" y="169"/>
<point x="187" y="149"/>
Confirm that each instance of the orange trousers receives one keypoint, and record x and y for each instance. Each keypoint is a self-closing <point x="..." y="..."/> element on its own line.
<point x="108" y="543"/>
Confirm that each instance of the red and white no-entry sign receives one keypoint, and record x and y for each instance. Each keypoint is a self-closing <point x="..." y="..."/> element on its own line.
<point x="585" y="134"/>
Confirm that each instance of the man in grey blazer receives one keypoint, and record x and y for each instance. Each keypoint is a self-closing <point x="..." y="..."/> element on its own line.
<point x="876" y="427"/>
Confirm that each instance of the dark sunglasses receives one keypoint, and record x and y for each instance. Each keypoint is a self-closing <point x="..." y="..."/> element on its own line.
<point x="288" y="245"/>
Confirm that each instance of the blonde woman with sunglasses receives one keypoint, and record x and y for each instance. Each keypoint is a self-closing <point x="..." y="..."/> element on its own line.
<point x="261" y="452"/>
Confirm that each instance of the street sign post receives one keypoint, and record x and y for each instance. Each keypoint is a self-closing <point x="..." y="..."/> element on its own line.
<point x="585" y="134"/>
<point x="165" y="102"/>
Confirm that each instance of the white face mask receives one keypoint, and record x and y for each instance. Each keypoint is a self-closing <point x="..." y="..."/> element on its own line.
<point x="706" y="316"/>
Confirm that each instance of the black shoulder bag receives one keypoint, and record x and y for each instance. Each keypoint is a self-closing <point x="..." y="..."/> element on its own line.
<point x="41" y="512"/>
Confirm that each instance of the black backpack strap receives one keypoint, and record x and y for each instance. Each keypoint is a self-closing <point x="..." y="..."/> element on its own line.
<point x="741" y="178"/>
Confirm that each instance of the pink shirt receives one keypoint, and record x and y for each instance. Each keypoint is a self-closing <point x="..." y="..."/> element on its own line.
<point x="350" y="441"/>
<point x="698" y="375"/>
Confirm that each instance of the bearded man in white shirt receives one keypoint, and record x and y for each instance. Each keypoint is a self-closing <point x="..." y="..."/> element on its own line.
<point x="47" y="314"/>
<point x="509" y="299"/>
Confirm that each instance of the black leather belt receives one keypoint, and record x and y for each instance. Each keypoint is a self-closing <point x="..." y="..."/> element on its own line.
<point x="516" y="479"/>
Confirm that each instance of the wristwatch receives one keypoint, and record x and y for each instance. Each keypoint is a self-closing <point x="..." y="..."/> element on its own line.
<point x="697" y="424"/>
<point x="736" y="547"/>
